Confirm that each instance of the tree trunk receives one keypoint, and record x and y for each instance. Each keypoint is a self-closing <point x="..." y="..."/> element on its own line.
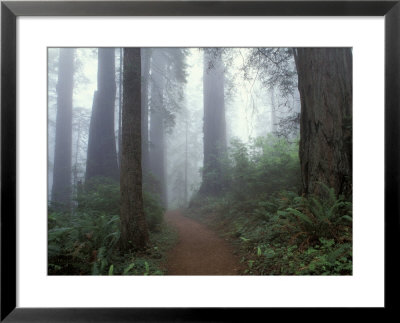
<point x="214" y="124"/>
<point x="134" y="233"/>
<point x="325" y="86"/>
<point x="145" y="52"/>
<point x="77" y="148"/>
<point x="102" y="153"/>
<point x="61" y="192"/>
<point x="157" y="155"/>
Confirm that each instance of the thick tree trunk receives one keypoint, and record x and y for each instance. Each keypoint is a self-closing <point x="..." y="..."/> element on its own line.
<point x="61" y="191"/>
<point x="214" y="124"/>
<point x="157" y="145"/>
<point x="134" y="233"/>
<point x="145" y="52"/>
<point x="325" y="86"/>
<point x="102" y="153"/>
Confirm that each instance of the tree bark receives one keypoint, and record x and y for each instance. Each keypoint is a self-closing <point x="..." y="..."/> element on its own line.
<point x="62" y="190"/>
<point x="134" y="233"/>
<point x="214" y="127"/>
<point x="102" y="154"/>
<point x="325" y="86"/>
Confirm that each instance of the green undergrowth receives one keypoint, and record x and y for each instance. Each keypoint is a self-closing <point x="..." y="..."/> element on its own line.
<point x="278" y="232"/>
<point x="86" y="240"/>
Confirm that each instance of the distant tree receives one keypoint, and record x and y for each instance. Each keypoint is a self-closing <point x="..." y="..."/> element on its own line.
<point x="134" y="232"/>
<point x="214" y="127"/>
<point x="80" y="127"/>
<point x="146" y="56"/>
<point x="276" y="70"/>
<point x="325" y="85"/>
<point x="157" y="115"/>
<point x="62" y="189"/>
<point x="168" y="74"/>
<point x="102" y="153"/>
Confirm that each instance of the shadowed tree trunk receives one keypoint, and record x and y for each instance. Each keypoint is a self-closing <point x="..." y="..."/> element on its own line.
<point x="61" y="191"/>
<point x="214" y="123"/>
<point x="325" y="86"/>
<point x="134" y="234"/>
<point x="102" y="153"/>
<point x="157" y="157"/>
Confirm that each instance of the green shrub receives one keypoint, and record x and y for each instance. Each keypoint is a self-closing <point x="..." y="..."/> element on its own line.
<point x="312" y="218"/>
<point x="99" y="194"/>
<point x="153" y="210"/>
<point x="265" y="165"/>
<point x="102" y="195"/>
<point x="282" y="233"/>
<point x="85" y="241"/>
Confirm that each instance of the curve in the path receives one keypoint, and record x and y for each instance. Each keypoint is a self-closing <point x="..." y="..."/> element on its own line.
<point x="199" y="250"/>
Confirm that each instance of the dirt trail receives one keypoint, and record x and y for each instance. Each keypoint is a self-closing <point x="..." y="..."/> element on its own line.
<point x="199" y="250"/>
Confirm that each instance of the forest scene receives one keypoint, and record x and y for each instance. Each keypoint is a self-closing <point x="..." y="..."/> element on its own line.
<point x="200" y="161"/>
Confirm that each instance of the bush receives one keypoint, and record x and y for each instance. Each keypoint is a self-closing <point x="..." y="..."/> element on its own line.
<point x="85" y="241"/>
<point x="78" y="240"/>
<point x="99" y="194"/>
<point x="102" y="195"/>
<point x="266" y="165"/>
<point x="279" y="232"/>
<point x="153" y="210"/>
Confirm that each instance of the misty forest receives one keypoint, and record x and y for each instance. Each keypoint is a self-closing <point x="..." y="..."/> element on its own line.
<point x="199" y="161"/>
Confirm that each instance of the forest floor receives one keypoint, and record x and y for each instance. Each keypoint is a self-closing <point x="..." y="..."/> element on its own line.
<point x="199" y="251"/>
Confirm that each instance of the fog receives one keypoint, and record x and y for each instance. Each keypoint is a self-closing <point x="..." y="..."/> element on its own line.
<point x="252" y="108"/>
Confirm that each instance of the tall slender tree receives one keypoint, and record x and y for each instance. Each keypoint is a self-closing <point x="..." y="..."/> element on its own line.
<point x="61" y="191"/>
<point x="325" y="86"/>
<point x="102" y="153"/>
<point x="134" y="233"/>
<point x="214" y="127"/>
<point x="168" y="74"/>
<point x="157" y="110"/>
<point x="145" y="53"/>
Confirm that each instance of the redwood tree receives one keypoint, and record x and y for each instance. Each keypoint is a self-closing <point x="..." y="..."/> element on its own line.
<point x="157" y="131"/>
<point x="325" y="86"/>
<point x="61" y="191"/>
<point x="214" y="128"/>
<point x="134" y="233"/>
<point x="102" y="153"/>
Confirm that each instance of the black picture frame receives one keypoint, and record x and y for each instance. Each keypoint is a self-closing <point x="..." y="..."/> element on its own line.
<point x="10" y="10"/>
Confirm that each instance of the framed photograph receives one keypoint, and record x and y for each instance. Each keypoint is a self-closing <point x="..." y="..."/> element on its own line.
<point x="309" y="195"/>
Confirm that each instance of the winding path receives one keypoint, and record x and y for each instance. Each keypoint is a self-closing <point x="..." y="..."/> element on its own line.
<point x="199" y="250"/>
